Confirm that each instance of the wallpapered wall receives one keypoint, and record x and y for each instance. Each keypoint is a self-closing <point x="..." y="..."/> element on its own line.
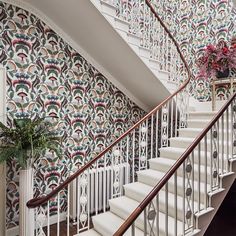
<point x="46" y="76"/>
<point x="196" y="23"/>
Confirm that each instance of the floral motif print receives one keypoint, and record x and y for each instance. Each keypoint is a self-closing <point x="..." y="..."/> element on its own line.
<point x="46" y="76"/>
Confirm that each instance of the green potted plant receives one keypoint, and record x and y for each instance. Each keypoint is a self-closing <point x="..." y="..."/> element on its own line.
<point x="26" y="141"/>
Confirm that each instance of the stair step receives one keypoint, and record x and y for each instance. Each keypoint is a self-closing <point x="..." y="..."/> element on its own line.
<point x="124" y="206"/>
<point x="190" y="132"/>
<point x="202" y="115"/>
<point x="121" y="25"/>
<point x="138" y="191"/>
<point x="108" y="223"/>
<point x="144" y="52"/>
<point x="134" y="39"/>
<point x="90" y="232"/>
<point x="164" y="165"/>
<point x="152" y="177"/>
<point x="107" y="8"/>
<point x="198" y="123"/>
<point x="174" y="153"/>
<point x="155" y="64"/>
<point x="181" y="142"/>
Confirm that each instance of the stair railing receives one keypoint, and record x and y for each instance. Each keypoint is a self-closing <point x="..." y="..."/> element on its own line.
<point x="148" y="27"/>
<point x="87" y="191"/>
<point x="202" y="166"/>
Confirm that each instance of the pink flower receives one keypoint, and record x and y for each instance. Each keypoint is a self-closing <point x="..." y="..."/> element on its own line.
<point x="217" y="58"/>
<point x="210" y="48"/>
<point x="225" y="50"/>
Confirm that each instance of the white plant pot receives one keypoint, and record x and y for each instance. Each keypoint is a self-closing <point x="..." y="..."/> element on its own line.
<point x="2" y="199"/>
<point x="26" y="224"/>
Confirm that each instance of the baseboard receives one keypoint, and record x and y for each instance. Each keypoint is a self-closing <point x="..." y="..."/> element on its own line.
<point x="53" y="220"/>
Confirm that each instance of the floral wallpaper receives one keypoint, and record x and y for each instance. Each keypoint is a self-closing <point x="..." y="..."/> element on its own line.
<point x="197" y="23"/>
<point x="45" y="76"/>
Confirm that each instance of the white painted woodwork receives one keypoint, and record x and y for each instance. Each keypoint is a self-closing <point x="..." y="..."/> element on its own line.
<point x="107" y="223"/>
<point x="26" y="224"/>
<point x="2" y="166"/>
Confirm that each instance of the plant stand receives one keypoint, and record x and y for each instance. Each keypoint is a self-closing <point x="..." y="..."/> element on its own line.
<point x="26" y="224"/>
<point x="220" y="82"/>
<point x="2" y="199"/>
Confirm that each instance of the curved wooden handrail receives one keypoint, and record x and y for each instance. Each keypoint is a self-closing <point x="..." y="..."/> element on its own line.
<point x="134" y="215"/>
<point x="43" y="199"/>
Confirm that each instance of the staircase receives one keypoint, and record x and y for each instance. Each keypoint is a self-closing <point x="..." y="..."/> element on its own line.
<point x="107" y="223"/>
<point x="166" y="175"/>
<point x="136" y="25"/>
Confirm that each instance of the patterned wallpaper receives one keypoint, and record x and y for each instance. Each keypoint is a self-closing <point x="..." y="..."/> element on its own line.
<point x="46" y="76"/>
<point x="196" y="23"/>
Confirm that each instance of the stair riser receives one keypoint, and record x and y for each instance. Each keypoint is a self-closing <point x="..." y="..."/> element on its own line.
<point x="184" y="144"/>
<point x="162" y="207"/>
<point x="188" y="134"/>
<point x="201" y="116"/>
<point x="121" y="25"/>
<point x="139" y="223"/>
<point x="179" y="143"/>
<point x="176" y="156"/>
<point x="143" y="52"/>
<point x="134" y="40"/>
<point x="164" y="168"/>
<point x="197" y="124"/>
<point x="154" y="64"/>
<point x="203" y="123"/>
<point x="108" y="9"/>
<point x="152" y="182"/>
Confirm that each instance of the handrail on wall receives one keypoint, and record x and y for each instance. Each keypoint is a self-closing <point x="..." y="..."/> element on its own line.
<point x="33" y="203"/>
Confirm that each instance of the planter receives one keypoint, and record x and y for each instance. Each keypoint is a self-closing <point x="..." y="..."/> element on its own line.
<point x="26" y="223"/>
<point x="2" y="199"/>
<point x="222" y="74"/>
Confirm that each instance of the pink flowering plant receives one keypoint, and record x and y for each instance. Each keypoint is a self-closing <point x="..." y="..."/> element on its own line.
<point x="217" y="58"/>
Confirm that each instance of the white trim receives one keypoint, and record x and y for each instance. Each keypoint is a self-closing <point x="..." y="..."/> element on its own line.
<point x="2" y="94"/>
<point x="2" y="166"/>
<point x="53" y="220"/>
<point x="76" y="47"/>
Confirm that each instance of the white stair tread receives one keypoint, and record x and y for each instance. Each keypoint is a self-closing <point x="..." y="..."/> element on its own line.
<point x="184" y="139"/>
<point x="183" y="142"/>
<point x="191" y="129"/>
<point x="152" y="177"/>
<point x="108" y="223"/>
<point x="175" y="152"/>
<point x="203" y="112"/>
<point x="124" y="206"/>
<point x="90" y="232"/>
<point x="161" y="160"/>
<point x="164" y="165"/>
<point x="138" y="191"/>
<point x="189" y="132"/>
<point x="199" y="120"/>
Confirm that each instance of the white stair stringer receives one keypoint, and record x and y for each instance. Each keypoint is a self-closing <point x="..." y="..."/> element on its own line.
<point x="120" y="208"/>
<point x="134" y="41"/>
